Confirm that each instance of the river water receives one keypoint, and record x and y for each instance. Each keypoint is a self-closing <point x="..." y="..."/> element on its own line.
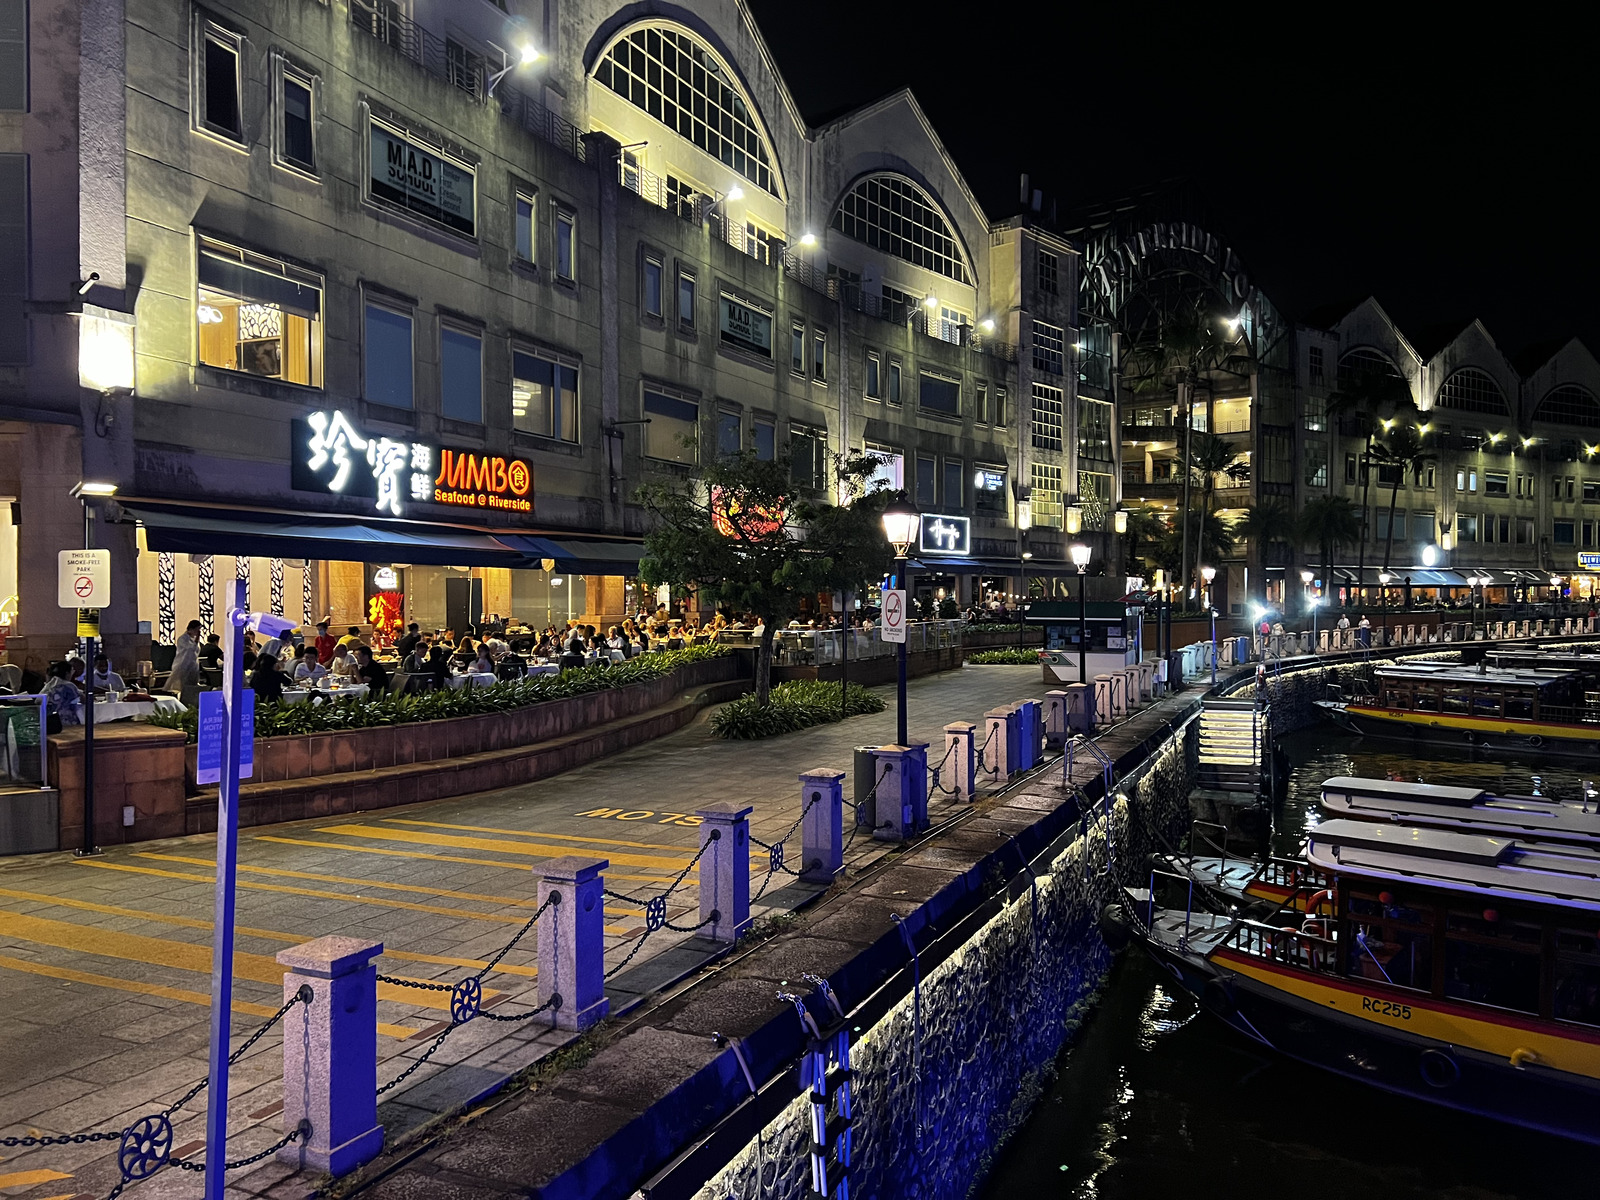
<point x="1154" y="1099"/>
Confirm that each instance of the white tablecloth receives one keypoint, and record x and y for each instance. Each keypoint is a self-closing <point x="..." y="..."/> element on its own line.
<point x="475" y="679"/>
<point x="301" y="695"/>
<point x="545" y="669"/>
<point x="122" y="710"/>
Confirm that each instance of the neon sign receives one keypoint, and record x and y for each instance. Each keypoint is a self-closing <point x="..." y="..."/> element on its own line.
<point x="945" y="535"/>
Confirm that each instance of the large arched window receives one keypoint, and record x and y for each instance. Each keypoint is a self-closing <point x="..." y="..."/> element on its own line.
<point x="683" y="84"/>
<point x="894" y="215"/>
<point x="1569" y="404"/>
<point x="1364" y="360"/>
<point x="1472" y="390"/>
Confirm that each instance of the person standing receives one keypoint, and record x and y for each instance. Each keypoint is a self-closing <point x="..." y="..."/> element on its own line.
<point x="326" y="643"/>
<point x="185" y="676"/>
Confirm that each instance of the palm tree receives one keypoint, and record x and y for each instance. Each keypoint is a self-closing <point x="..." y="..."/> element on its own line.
<point x="1328" y="522"/>
<point x="1211" y="537"/>
<point x="1266" y="522"/>
<point x="1368" y="396"/>
<point x="1145" y="530"/>
<point x="1210" y="456"/>
<point x="1401" y="451"/>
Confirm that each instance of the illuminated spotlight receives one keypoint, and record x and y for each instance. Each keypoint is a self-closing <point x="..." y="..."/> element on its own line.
<point x="529" y="54"/>
<point x="736" y="192"/>
<point x="808" y="239"/>
<point x="930" y="301"/>
<point x="987" y="325"/>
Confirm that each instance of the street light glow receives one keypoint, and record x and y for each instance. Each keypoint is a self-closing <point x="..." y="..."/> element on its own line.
<point x="1080" y="555"/>
<point x="736" y="192"/>
<point x="1208" y="573"/>
<point x="900" y="521"/>
<point x="529" y="54"/>
<point x="808" y="239"/>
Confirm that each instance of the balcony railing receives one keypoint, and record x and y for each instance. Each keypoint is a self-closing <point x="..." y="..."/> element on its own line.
<point x="462" y="69"/>
<point x="1149" y="433"/>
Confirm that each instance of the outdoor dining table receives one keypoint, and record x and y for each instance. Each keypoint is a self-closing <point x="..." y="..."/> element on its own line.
<point x="354" y="691"/>
<point x="123" y="710"/>
<point x="544" y="669"/>
<point x="472" y="679"/>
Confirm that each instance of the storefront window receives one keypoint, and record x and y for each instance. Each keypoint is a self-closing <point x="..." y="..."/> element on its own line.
<point x="544" y="396"/>
<point x="258" y="315"/>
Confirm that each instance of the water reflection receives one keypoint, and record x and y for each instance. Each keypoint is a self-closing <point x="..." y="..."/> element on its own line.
<point x="1155" y="1100"/>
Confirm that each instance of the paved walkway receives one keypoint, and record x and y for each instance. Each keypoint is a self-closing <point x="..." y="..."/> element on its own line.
<point x="104" y="963"/>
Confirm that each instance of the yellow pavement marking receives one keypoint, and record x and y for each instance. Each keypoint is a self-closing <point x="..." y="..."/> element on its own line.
<point x="560" y="837"/>
<point x="272" y="934"/>
<point x="451" y="858"/>
<point x="166" y="993"/>
<point x="312" y="892"/>
<point x="369" y="883"/>
<point x="29" y="1178"/>
<point x="180" y="956"/>
<point x="529" y="849"/>
<point x="62" y="1195"/>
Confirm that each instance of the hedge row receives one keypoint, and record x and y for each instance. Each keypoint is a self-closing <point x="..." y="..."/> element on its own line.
<point x="989" y="658"/>
<point x="798" y="704"/>
<point x="282" y="720"/>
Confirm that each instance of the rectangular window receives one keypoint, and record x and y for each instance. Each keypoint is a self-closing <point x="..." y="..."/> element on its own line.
<point x="1048" y="411"/>
<point x="955" y="474"/>
<point x="1432" y="477"/>
<point x="730" y="429"/>
<point x="1314" y="361"/>
<point x="260" y="316"/>
<point x="925" y="477"/>
<point x="999" y="407"/>
<point x="297" y="127"/>
<point x="686" y="291"/>
<point x="408" y="173"/>
<point x="819" y="358"/>
<point x="1391" y="941"/>
<point x="980" y="403"/>
<point x="1524" y="531"/>
<point x="1046" y="496"/>
<point x="218" y="79"/>
<point x="1388" y="475"/>
<point x="13" y="55"/>
<point x="989" y="489"/>
<point x="1562" y="533"/>
<point x="387" y="356"/>
<point x="14" y="258"/>
<point x="1049" y="348"/>
<point x="1472" y="480"/>
<point x="1492" y="962"/>
<point x="566" y="245"/>
<point x="764" y="433"/>
<point x="953" y="326"/>
<point x="460" y="374"/>
<point x="873" y="384"/>
<point x="524" y="233"/>
<point x="1591" y="490"/>
<point x="650" y="287"/>
<point x="1316" y="474"/>
<point x="1577" y="977"/>
<point x="808" y="456"/>
<point x="1466" y="528"/>
<point x="936" y="393"/>
<point x="797" y="349"/>
<point x="1399" y="526"/>
<point x="1049" y="274"/>
<point x="1094" y="429"/>
<point x="889" y="469"/>
<point x="759" y="244"/>
<point x="673" y="434"/>
<point x="1461" y="479"/>
<point x="1571" y="483"/>
<point x="1505" y="529"/>
<point x="1316" y="414"/>
<point x="894" y="383"/>
<point x="1530" y="482"/>
<point x="544" y="396"/>
<point x="1496" y="483"/>
<point x="1350" y="468"/>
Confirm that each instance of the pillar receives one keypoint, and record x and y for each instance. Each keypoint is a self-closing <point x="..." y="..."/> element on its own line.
<point x="902" y="791"/>
<point x="821" y="824"/>
<point x="330" y="1053"/>
<point x="995" y="762"/>
<point x="1130" y="676"/>
<point x="1102" y="697"/>
<point x="960" y="749"/>
<point x="1027" y="756"/>
<point x="572" y="940"/>
<point x="724" y="871"/>
<point x="1080" y="707"/>
<point x="1055" y="719"/>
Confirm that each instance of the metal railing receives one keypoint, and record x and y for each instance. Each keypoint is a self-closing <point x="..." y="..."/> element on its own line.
<point x="1288" y="947"/>
<point x="825" y="647"/>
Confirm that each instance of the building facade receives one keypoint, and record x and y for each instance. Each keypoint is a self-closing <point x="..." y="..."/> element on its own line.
<point x="389" y="308"/>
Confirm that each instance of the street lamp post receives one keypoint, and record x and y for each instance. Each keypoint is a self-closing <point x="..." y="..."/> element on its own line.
<point x="1306" y="576"/>
<point x="900" y="523"/>
<point x="90" y="494"/>
<point x="1208" y="574"/>
<point x="1080" y="559"/>
<point x="1383" y="582"/>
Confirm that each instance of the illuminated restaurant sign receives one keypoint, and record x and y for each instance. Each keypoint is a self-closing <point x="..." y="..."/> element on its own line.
<point x="945" y="535"/>
<point x="1589" y="562"/>
<point x="329" y="454"/>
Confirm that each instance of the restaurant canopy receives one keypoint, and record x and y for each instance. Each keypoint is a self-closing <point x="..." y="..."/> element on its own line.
<point x="579" y="557"/>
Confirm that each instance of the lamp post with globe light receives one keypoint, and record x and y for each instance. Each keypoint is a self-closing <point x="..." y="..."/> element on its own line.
<point x="1080" y="559"/>
<point x="900" y="523"/>
<point x="1209" y="574"/>
<point x="1384" y="579"/>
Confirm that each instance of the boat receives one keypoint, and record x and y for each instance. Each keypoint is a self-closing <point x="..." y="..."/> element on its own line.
<point x="1530" y="818"/>
<point x="1460" y="968"/>
<point x="1552" y="709"/>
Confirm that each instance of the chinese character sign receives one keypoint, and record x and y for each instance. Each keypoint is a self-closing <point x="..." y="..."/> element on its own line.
<point x="333" y="440"/>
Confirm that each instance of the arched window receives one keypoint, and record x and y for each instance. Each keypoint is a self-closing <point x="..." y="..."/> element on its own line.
<point x="894" y="215"/>
<point x="1569" y="404"/>
<point x="1472" y="390"/>
<point x="1364" y="360"/>
<point x="683" y="84"/>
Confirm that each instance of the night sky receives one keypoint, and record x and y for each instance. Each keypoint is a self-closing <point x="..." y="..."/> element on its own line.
<point x="1340" y="151"/>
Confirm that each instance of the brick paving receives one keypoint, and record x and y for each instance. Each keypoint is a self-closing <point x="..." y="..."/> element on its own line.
<point x="104" y="963"/>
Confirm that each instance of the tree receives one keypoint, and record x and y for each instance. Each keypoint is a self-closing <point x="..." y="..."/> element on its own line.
<point x="1402" y="452"/>
<point x="738" y="534"/>
<point x="1366" y="397"/>
<point x="1267" y="522"/>
<point x="1207" y="534"/>
<point x="1210" y="456"/>
<point x="1328" y="522"/>
<point x="1145" y="531"/>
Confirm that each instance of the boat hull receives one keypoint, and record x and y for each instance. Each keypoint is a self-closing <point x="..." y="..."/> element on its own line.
<point x="1482" y="733"/>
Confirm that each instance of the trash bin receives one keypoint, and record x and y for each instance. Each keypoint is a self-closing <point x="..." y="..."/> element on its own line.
<point x="866" y="774"/>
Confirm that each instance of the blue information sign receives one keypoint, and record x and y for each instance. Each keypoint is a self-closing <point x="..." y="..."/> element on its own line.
<point x="208" y="751"/>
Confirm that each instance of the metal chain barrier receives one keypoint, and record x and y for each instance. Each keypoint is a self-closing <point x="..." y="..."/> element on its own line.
<point x="993" y="730"/>
<point x="872" y="798"/>
<point x="655" y="908"/>
<point x="145" y="1146"/>
<point x="933" y="773"/>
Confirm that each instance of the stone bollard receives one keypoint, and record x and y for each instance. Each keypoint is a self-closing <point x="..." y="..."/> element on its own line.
<point x="995" y="762"/>
<point x="1026" y="753"/>
<point x="1119" y="698"/>
<point x="1080" y="707"/>
<point x="1055" y="719"/>
<point x="960" y="747"/>
<point x="1102" y="697"/>
<point x="822" y="824"/>
<point x="1147" y="680"/>
<point x="1038" y="730"/>
<point x="1322" y="641"/>
<point x="898" y="767"/>
<point x="1130" y="686"/>
<point x="725" y="870"/>
<point x="330" y="1053"/>
<point x="572" y="940"/>
<point x="1160" y="667"/>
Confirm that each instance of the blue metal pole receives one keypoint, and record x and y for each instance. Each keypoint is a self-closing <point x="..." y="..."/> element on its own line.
<point x="227" y="868"/>
<point x="1213" y="645"/>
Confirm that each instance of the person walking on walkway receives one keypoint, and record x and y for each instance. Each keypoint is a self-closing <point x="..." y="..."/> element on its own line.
<point x="185" y="676"/>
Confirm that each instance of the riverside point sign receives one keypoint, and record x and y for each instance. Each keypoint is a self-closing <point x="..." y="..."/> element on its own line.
<point x="329" y="454"/>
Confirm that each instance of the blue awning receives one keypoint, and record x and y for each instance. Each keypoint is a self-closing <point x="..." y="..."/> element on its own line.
<point x="183" y="529"/>
<point x="579" y="557"/>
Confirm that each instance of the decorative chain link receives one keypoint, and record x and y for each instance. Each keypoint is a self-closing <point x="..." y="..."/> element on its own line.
<point x="711" y="920"/>
<point x="294" y="1135"/>
<point x="993" y="730"/>
<point x="417" y="1065"/>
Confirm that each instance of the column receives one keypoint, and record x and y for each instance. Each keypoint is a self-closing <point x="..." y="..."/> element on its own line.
<point x="821" y="825"/>
<point x="724" y="871"/>
<point x="572" y="940"/>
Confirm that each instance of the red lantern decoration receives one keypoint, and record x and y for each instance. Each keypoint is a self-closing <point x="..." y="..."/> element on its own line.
<point x="1491" y="915"/>
<point x="1386" y="898"/>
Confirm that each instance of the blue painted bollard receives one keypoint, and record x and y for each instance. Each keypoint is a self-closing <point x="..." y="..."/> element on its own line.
<point x="821" y="825"/>
<point x="572" y="940"/>
<point x="724" y="871"/>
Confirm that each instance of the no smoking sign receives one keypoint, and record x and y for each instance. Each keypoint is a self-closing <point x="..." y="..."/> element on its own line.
<point x="894" y="615"/>
<point x="83" y="578"/>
